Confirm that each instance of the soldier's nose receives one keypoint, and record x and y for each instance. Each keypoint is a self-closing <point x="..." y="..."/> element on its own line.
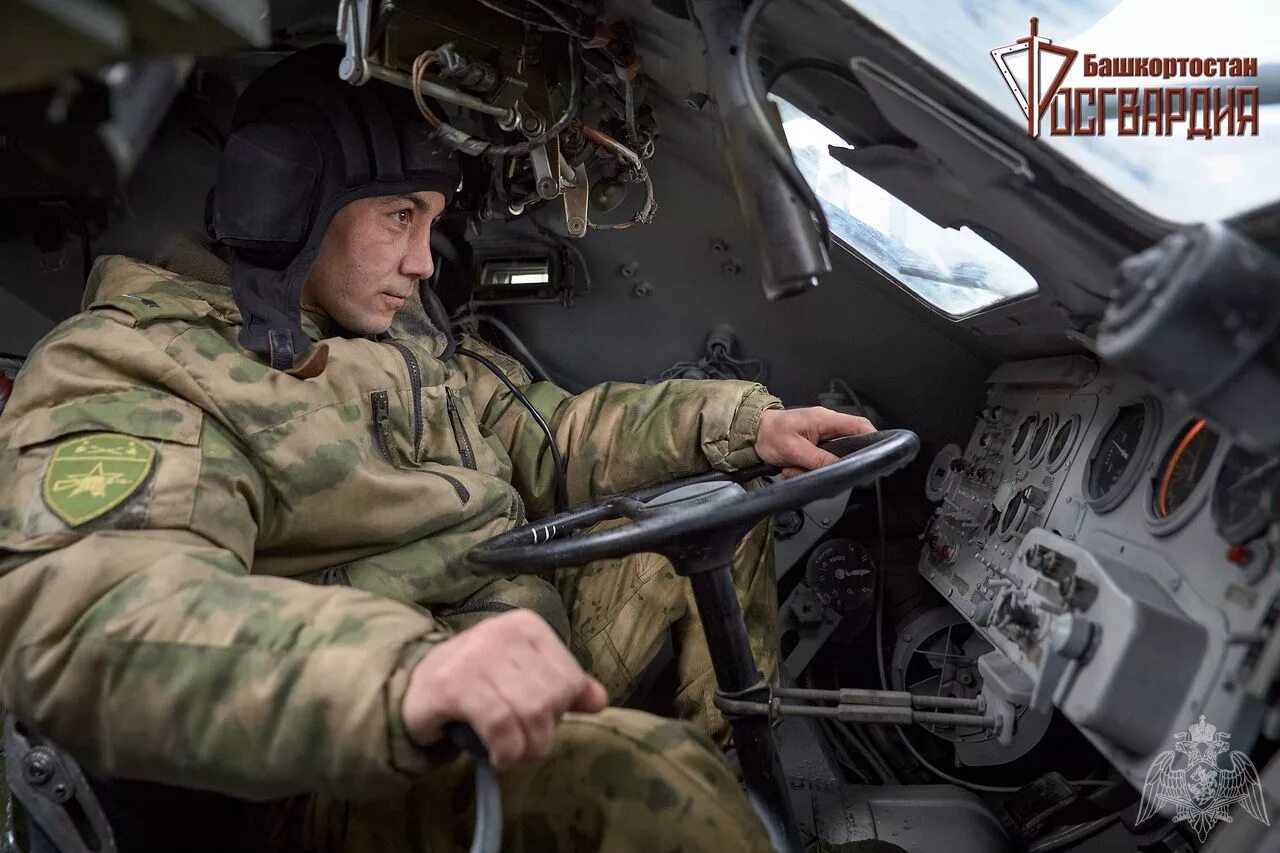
<point x="418" y="263"/>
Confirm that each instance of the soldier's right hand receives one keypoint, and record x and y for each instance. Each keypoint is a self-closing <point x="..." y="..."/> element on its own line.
<point x="510" y="677"/>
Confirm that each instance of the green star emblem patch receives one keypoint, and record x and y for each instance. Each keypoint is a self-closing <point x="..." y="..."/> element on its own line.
<point x="93" y="474"/>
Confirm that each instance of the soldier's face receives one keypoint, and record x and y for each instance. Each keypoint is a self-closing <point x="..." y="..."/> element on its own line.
<point x="371" y="258"/>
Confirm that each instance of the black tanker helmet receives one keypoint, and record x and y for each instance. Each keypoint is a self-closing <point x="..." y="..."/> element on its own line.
<point x="303" y="145"/>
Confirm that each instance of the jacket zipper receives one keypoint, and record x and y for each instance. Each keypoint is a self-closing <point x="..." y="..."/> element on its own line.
<point x="381" y="420"/>
<point x="460" y="431"/>
<point x="381" y="424"/>
<point x="463" y="494"/>
<point x="479" y="607"/>
<point x="415" y="383"/>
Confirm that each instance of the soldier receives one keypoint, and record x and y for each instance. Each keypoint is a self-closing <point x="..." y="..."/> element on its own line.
<point x="235" y="513"/>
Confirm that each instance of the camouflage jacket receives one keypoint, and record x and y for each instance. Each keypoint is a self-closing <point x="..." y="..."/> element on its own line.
<point x="162" y="492"/>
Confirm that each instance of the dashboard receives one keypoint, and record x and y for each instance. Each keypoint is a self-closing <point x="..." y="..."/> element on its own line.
<point x="1117" y="552"/>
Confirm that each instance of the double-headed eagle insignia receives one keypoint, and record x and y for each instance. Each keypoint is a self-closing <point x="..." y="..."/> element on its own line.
<point x="1202" y="792"/>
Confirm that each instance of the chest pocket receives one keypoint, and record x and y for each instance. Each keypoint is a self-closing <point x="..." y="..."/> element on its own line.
<point x="433" y="423"/>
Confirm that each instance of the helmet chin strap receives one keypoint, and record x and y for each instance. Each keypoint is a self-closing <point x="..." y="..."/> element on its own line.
<point x="281" y="343"/>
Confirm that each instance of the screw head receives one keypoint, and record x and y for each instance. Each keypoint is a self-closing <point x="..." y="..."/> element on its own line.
<point x="577" y="226"/>
<point x="642" y="289"/>
<point x="38" y="766"/>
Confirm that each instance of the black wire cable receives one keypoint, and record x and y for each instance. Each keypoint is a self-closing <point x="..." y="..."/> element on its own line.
<point x="554" y="15"/>
<point x="460" y="140"/>
<point x="543" y="24"/>
<point x="570" y="112"/>
<point x="775" y="147"/>
<point x="562" y="501"/>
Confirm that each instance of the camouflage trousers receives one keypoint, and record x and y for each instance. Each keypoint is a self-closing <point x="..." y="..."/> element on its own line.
<point x="621" y="610"/>
<point x="620" y="780"/>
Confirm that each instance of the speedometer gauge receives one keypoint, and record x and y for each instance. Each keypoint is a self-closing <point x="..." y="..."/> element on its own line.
<point x="1063" y="439"/>
<point x="1021" y="438"/>
<point x="1175" y="495"/>
<point x="1040" y="440"/>
<point x="1118" y="455"/>
<point x="1241" y="494"/>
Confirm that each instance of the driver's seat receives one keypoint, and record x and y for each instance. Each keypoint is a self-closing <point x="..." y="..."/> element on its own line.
<point x="60" y="809"/>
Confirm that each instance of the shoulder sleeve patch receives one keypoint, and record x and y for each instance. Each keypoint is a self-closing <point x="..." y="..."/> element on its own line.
<point x="92" y="474"/>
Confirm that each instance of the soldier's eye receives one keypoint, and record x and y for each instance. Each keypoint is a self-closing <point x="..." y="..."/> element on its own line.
<point x="405" y="216"/>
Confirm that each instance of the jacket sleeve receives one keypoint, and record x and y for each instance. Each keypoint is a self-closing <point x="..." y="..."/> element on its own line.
<point x="616" y="436"/>
<point x="138" y="640"/>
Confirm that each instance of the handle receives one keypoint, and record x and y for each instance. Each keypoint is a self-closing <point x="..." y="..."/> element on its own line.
<point x="488" y="832"/>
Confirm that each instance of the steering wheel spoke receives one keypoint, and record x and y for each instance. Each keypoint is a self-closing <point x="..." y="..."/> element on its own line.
<point x="690" y="518"/>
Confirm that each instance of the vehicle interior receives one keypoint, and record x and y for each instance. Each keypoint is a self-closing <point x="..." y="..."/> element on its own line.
<point x="1057" y="562"/>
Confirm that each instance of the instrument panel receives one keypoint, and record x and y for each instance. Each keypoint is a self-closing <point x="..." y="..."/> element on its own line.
<point x="1118" y="550"/>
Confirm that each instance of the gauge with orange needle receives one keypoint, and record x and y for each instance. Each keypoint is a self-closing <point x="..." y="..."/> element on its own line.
<point x="1183" y="467"/>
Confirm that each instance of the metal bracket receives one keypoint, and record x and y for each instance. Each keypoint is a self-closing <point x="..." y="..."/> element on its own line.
<point x="510" y="89"/>
<point x="1068" y="639"/>
<point x="576" y="197"/>
<point x="355" y="23"/>
<point x="55" y="793"/>
<point x="545" y="182"/>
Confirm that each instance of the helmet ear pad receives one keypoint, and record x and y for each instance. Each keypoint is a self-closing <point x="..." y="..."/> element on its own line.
<point x="266" y="192"/>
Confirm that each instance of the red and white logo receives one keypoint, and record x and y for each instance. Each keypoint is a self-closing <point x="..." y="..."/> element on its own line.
<point x="1225" y="104"/>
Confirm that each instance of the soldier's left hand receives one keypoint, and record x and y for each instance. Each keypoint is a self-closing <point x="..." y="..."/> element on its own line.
<point x="789" y="438"/>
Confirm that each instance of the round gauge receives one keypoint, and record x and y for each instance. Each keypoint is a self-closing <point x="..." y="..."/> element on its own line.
<point x="1021" y="438"/>
<point x="943" y="472"/>
<point x="1040" y="440"/>
<point x="1063" y="440"/>
<point x="843" y="574"/>
<point x="1174" y="493"/>
<point x="1117" y="457"/>
<point x="1014" y="512"/>
<point x="1241" y="494"/>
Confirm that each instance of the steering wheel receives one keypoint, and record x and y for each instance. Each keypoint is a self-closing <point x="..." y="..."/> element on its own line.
<point x="674" y="519"/>
<point x="696" y="522"/>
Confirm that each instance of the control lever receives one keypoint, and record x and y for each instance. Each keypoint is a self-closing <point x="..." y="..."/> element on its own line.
<point x="487" y="837"/>
<point x="1069" y="637"/>
<point x="355" y="20"/>
<point x="889" y="707"/>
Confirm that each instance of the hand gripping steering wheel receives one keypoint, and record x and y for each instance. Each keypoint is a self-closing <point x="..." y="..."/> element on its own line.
<point x="696" y="522"/>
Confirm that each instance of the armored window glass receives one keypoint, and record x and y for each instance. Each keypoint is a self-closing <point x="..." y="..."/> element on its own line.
<point x="954" y="270"/>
